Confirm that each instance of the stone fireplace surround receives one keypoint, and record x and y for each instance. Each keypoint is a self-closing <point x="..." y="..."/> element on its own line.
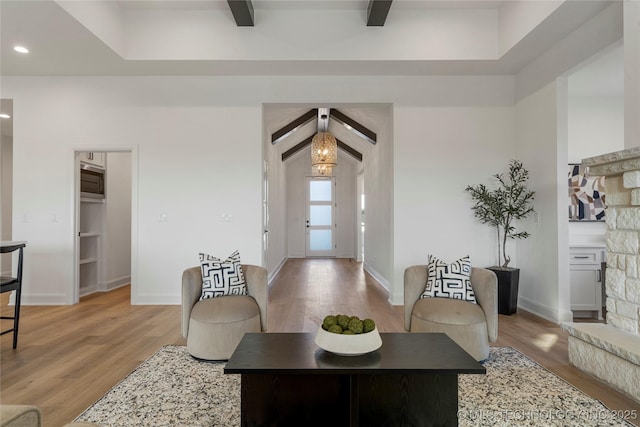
<point x="611" y="351"/>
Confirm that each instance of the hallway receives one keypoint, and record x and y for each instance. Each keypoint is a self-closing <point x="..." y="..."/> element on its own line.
<point x="308" y="289"/>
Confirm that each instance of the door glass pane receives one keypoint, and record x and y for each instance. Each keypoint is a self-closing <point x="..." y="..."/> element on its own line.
<point x="320" y="191"/>
<point x="320" y="215"/>
<point x="320" y="240"/>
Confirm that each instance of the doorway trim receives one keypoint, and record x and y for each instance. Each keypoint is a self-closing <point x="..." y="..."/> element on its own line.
<point x="75" y="200"/>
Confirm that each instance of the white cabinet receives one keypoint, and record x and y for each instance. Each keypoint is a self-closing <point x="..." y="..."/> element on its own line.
<point x="585" y="272"/>
<point x="95" y="158"/>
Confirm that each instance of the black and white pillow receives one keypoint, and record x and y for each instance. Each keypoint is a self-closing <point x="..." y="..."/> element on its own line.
<point x="220" y="278"/>
<point x="449" y="280"/>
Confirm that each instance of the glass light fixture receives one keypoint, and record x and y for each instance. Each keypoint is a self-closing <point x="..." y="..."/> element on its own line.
<point x="21" y="49"/>
<point x="322" y="170"/>
<point x="324" y="154"/>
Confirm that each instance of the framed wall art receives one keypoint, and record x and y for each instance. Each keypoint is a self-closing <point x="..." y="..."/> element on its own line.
<point x="586" y="195"/>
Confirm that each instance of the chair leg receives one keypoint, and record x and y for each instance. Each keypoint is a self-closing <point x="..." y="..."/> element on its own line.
<point x="16" y="316"/>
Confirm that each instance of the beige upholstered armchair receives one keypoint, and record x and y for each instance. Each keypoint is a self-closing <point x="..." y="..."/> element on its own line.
<point x="213" y="327"/>
<point x="471" y="326"/>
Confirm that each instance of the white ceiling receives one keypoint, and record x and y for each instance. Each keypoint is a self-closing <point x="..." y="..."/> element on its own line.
<point x="102" y="36"/>
<point x="96" y="37"/>
<point x="310" y="4"/>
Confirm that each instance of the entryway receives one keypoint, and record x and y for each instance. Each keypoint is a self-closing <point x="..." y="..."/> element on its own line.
<point x="103" y="199"/>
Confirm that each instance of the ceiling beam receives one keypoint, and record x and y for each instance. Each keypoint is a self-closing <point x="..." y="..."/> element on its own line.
<point x="377" y="12"/>
<point x="293" y="126"/>
<point x="293" y="150"/>
<point x="353" y="126"/>
<point x="242" y="11"/>
<point x="302" y="145"/>
<point x="347" y="149"/>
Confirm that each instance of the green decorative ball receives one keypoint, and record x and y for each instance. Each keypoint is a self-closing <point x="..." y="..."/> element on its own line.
<point x="356" y="325"/>
<point x="328" y="322"/>
<point x="336" y="329"/>
<point x="368" y="325"/>
<point x="343" y="321"/>
<point x="347" y="325"/>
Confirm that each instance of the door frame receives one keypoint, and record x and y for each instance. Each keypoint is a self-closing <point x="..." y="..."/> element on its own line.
<point x="265" y="212"/>
<point x="75" y="191"/>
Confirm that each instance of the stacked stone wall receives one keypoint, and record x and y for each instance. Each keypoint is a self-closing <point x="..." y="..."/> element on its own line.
<point x="622" y="171"/>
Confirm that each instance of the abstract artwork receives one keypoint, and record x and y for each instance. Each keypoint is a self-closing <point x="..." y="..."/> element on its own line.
<point x="586" y="195"/>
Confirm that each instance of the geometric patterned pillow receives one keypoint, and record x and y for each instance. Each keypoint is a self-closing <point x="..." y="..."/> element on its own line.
<point x="220" y="278"/>
<point x="449" y="280"/>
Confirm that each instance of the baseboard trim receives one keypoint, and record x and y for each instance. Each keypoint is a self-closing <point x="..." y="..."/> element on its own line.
<point x="114" y="284"/>
<point x="274" y="273"/>
<point x="153" y="299"/>
<point x="544" y="311"/>
<point x="378" y="278"/>
<point x="44" y="299"/>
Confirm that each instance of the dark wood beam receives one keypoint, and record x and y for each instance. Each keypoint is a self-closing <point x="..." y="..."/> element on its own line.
<point x="377" y="12"/>
<point x="293" y="150"/>
<point x="290" y="128"/>
<point x="302" y="145"/>
<point x="354" y="153"/>
<point x="353" y="126"/>
<point x="242" y="11"/>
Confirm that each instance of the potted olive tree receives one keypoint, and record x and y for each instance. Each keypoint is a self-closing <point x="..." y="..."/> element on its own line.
<point x="499" y="208"/>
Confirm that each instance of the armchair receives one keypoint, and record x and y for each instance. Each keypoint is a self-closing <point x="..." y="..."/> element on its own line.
<point x="471" y="326"/>
<point x="213" y="327"/>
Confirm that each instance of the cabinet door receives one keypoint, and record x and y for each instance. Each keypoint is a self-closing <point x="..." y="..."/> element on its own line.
<point x="92" y="157"/>
<point x="585" y="287"/>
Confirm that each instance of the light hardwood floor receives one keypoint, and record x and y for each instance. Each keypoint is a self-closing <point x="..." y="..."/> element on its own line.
<point x="69" y="356"/>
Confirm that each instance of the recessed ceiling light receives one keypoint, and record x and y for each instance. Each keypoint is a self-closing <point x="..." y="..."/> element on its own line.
<point x="21" y="49"/>
<point x="4" y="116"/>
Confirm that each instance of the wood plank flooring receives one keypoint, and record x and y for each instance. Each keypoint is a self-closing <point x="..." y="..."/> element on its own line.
<point x="69" y="356"/>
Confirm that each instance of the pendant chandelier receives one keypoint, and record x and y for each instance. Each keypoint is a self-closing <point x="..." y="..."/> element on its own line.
<point x="324" y="154"/>
<point x="322" y="170"/>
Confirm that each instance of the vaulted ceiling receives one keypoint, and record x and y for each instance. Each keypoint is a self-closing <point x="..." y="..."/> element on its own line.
<point x="288" y="37"/>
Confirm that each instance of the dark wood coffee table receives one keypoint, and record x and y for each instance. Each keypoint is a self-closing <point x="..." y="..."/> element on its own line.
<point x="412" y="380"/>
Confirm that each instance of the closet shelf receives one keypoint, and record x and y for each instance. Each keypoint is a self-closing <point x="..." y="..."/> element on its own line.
<point x="90" y="200"/>
<point x="90" y="234"/>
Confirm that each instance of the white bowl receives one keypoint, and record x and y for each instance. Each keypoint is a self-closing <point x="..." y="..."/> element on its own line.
<point x="348" y="345"/>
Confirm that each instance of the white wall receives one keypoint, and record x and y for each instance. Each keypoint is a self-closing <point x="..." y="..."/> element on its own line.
<point x="455" y="147"/>
<point x="275" y="192"/>
<point x="542" y="127"/>
<point x="379" y="175"/>
<point x="117" y="236"/>
<point x="347" y="201"/>
<point x="296" y="169"/>
<point x="595" y="126"/>
<point x="632" y="73"/>
<point x="543" y="257"/>
<point x="197" y="154"/>
<point x="6" y="176"/>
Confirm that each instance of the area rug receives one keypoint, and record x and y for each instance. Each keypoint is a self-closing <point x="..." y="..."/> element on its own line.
<point x="173" y="389"/>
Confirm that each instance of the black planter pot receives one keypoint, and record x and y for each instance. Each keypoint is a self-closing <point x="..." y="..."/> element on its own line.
<point x="508" y="279"/>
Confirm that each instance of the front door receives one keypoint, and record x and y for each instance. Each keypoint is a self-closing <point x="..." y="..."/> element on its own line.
<point x="320" y="222"/>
